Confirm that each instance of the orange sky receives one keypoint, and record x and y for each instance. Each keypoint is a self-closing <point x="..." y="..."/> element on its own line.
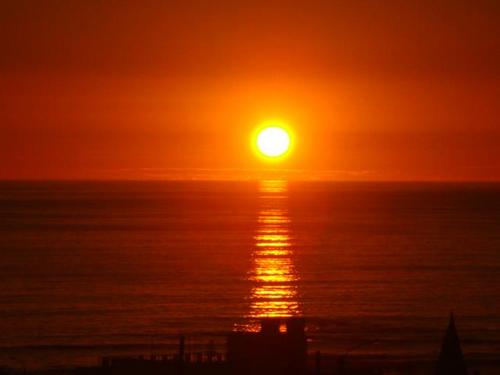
<point x="150" y="89"/>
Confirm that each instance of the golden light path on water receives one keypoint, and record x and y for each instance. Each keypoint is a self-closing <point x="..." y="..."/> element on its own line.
<point x="273" y="275"/>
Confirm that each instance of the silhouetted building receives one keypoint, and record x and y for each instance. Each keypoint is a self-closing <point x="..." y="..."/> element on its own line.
<point x="451" y="359"/>
<point x="280" y="347"/>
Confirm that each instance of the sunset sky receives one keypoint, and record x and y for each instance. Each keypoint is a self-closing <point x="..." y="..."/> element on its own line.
<point x="174" y="89"/>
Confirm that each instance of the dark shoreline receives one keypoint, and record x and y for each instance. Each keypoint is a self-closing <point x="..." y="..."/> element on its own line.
<point x="485" y="363"/>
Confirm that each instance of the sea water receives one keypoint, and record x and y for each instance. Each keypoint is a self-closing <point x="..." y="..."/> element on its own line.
<point x="98" y="268"/>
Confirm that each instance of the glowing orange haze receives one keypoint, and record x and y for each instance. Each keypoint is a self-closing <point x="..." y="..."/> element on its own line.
<point x="173" y="90"/>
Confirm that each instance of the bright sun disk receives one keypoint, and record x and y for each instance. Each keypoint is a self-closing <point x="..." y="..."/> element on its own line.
<point x="273" y="141"/>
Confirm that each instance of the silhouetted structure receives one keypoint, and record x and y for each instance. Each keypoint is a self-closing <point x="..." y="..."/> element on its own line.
<point x="280" y="347"/>
<point x="451" y="359"/>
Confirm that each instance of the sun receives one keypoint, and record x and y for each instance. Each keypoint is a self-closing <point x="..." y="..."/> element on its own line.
<point x="273" y="141"/>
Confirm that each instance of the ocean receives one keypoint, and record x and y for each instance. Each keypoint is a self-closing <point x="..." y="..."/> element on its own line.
<point x="98" y="268"/>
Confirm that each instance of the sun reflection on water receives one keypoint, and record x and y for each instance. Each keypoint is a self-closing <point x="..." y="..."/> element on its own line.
<point x="273" y="276"/>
